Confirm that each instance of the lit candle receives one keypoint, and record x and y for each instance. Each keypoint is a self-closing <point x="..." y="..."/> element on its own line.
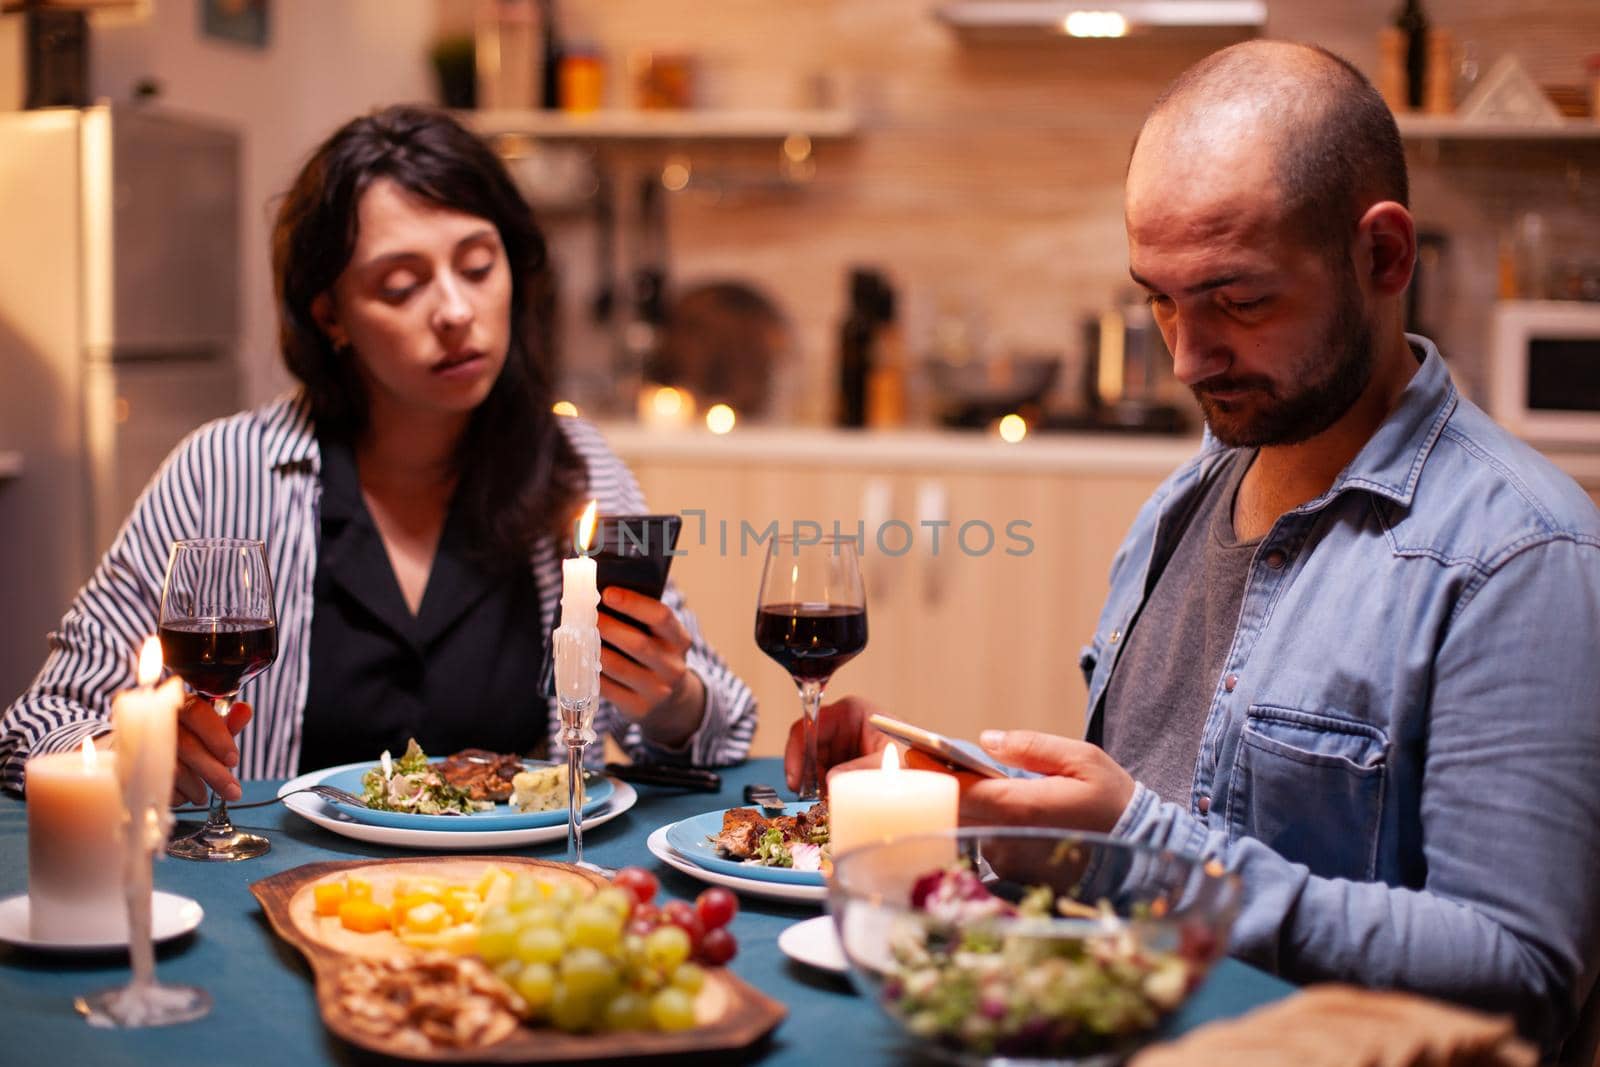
<point x="145" y="724"/>
<point x="869" y="806"/>
<point x="74" y="847"/>
<point x="577" y="643"/>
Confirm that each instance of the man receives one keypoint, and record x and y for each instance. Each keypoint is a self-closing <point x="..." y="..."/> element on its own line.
<point x="1350" y="650"/>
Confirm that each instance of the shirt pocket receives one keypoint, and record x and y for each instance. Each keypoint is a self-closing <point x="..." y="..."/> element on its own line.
<point x="1310" y="787"/>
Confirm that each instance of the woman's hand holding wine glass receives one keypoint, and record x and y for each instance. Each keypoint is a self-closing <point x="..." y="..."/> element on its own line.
<point x="207" y="752"/>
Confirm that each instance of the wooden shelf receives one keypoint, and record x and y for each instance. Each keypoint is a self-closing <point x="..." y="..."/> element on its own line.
<point x="646" y="126"/>
<point x="1451" y="128"/>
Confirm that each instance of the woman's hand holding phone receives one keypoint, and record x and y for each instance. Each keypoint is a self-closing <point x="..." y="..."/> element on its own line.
<point x="644" y="671"/>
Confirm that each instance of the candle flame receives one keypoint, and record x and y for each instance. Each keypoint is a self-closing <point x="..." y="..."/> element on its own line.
<point x="586" y="527"/>
<point x="891" y="758"/>
<point x="90" y="756"/>
<point x="150" y="661"/>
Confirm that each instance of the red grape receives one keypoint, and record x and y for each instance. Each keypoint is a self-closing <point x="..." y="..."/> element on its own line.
<point x="638" y="881"/>
<point x="646" y="917"/>
<point x="716" y="907"/>
<point x="718" y="947"/>
<point x="681" y="913"/>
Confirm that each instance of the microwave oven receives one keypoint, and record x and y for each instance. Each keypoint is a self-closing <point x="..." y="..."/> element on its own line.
<point x="1544" y="377"/>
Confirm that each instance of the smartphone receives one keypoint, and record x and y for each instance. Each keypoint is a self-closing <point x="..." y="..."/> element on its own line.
<point x="959" y="755"/>
<point x="632" y="551"/>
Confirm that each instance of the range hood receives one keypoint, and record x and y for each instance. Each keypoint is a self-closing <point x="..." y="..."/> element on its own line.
<point x="1101" y="18"/>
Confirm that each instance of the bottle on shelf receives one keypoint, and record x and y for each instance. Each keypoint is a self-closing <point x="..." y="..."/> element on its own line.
<point x="871" y="308"/>
<point x="549" y="95"/>
<point x="1412" y="21"/>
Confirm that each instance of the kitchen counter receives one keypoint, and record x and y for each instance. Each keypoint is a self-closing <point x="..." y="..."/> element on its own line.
<point x="948" y="450"/>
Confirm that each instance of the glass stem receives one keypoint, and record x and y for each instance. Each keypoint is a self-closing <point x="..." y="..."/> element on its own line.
<point x="574" y="801"/>
<point x="137" y="885"/>
<point x="217" y="821"/>
<point x="810" y="702"/>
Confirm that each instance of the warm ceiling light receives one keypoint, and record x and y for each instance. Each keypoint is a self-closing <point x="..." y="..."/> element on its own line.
<point x="1095" y="24"/>
<point x="1012" y="429"/>
<point x="565" y="408"/>
<point x="675" y="176"/>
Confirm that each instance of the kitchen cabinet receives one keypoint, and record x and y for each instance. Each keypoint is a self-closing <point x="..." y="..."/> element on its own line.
<point x="969" y="636"/>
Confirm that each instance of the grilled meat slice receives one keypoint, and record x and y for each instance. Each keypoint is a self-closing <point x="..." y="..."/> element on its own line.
<point x="741" y="832"/>
<point x="485" y="775"/>
<point x="807" y="822"/>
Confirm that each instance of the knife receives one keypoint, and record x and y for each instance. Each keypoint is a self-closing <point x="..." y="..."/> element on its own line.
<point x="764" y="795"/>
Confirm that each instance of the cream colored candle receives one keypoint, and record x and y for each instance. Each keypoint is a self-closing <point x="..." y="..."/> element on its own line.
<point x="75" y="847"/>
<point x="869" y="806"/>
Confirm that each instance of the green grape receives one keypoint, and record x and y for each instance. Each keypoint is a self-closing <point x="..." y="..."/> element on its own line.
<point x="497" y="939"/>
<point x="627" y="1011"/>
<point x="666" y="947"/>
<point x="592" y="925"/>
<point x="689" y="978"/>
<point x="525" y="893"/>
<point x="633" y="954"/>
<point x="587" y="972"/>
<point x="508" y="970"/>
<point x="540" y="944"/>
<point x="672" y="1009"/>
<point x="494" y="913"/>
<point x="563" y="897"/>
<point x="572" y="1011"/>
<point x="649" y="979"/>
<point x="619" y="901"/>
<point x="540" y="914"/>
<point x="536" y="985"/>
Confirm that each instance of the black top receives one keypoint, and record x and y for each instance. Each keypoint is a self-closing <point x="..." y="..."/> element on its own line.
<point x="461" y="673"/>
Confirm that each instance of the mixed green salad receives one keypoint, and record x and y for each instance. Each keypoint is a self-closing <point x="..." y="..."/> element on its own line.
<point x="410" y="784"/>
<point x="975" y="972"/>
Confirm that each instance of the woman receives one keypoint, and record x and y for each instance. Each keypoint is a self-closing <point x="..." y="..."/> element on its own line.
<point x="415" y="495"/>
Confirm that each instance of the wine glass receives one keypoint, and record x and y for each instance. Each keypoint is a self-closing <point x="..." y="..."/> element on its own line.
<point x="811" y="616"/>
<point x="218" y="630"/>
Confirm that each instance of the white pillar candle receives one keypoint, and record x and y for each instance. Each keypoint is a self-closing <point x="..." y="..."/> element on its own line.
<point x="577" y="639"/>
<point x="75" y="847"/>
<point x="868" y="806"/>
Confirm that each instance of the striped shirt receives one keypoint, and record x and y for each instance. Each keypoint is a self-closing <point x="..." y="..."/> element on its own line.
<point x="257" y="474"/>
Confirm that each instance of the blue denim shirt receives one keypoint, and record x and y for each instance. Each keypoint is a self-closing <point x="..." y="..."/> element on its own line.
<point x="1402" y="755"/>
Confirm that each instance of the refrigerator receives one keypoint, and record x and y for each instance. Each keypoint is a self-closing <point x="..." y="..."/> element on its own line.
<point x="119" y="319"/>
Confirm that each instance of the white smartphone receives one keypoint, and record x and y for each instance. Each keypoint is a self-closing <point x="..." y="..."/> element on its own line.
<point x="960" y="755"/>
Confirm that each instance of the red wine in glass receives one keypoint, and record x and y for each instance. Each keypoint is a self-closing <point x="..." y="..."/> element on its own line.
<point x="811" y="641"/>
<point x="811" y="616"/>
<point x="217" y="656"/>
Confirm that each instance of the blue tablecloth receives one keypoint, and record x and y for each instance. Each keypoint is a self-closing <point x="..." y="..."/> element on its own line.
<point x="265" y="1009"/>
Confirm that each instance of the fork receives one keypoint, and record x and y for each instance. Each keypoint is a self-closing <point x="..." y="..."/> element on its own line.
<point x="764" y="795"/>
<point x="327" y="792"/>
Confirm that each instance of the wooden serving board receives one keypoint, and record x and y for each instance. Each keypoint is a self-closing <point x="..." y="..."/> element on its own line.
<point x="732" y="1014"/>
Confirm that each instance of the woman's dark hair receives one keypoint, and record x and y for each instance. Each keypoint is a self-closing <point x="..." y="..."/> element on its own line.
<point x="519" y="476"/>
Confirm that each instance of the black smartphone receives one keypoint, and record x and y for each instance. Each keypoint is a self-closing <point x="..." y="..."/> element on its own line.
<point x="633" y="552"/>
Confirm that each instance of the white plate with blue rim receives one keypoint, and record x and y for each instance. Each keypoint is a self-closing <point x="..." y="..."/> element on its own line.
<point x="693" y="839"/>
<point x="753" y="887"/>
<point x="463" y="835"/>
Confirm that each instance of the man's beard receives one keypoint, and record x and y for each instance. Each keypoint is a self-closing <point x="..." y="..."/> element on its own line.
<point x="1315" y="407"/>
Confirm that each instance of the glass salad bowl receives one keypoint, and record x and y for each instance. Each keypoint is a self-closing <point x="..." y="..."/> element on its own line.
<point x="1029" y="945"/>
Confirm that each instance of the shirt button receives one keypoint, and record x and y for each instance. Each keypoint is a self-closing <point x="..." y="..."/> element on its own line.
<point x="1229" y="682"/>
<point x="1205" y="805"/>
<point x="1276" y="558"/>
<point x="1116" y="635"/>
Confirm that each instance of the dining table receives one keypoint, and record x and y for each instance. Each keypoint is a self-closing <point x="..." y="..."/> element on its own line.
<point x="265" y="1008"/>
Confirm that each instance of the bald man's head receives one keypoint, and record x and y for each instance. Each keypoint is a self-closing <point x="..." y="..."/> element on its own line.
<point x="1329" y="142"/>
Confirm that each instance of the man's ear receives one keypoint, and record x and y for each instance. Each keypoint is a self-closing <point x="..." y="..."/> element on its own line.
<point x="1386" y="248"/>
<point x="327" y="318"/>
